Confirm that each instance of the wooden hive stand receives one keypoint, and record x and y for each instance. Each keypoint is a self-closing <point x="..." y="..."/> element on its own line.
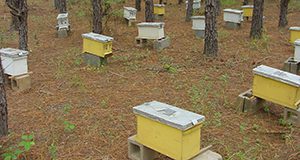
<point x="20" y="82"/>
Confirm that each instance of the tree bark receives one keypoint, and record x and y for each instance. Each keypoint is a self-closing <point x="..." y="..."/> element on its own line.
<point x="218" y="5"/>
<point x="160" y="1"/>
<point x="3" y="105"/>
<point x="189" y="10"/>
<point x="180" y="1"/>
<point x="257" y="19"/>
<point x="56" y="4"/>
<point x="138" y="5"/>
<point x="149" y="17"/>
<point x="97" y="16"/>
<point x="246" y="2"/>
<point x="211" y="34"/>
<point x="15" y="20"/>
<point x="62" y="6"/>
<point x="283" y="13"/>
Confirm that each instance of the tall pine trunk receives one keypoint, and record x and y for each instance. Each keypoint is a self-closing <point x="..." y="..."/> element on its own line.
<point x="63" y="6"/>
<point x="3" y="105"/>
<point x="97" y="16"/>
<point x="23" y="29"/>
<point x="149" y="17"/>
<point x="257" y="19"/>
<point x="56" y="4"/>
<point x="211" y="34"/>
<point x="246" y="2"/>
<point x="218" y="5"/>
<point x="138" y="5"/>
<point x="180" y="1"/>
<point x="189" y="10"/>
<point x="15" y="23"/>
<point x="283" y="13"/>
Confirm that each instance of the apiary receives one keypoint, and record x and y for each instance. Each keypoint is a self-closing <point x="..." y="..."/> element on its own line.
<point x="130" y="13"/>
<point x="297" y="50"/>
<point x="169" y="130"/>
<point x="233" y="15"/>
<point x="247" y="10"/>
<point x="294" y="34"/>
<point x="97" y="44"/>
<point x="151" y="30"/>
<point x="198" y="22"/>
<point x="277" y="86"/>
<point x="14" y="61"/>
<point x="196" y="4"/>
<point x="62" y="21"/>
<point x="159" y="9"/>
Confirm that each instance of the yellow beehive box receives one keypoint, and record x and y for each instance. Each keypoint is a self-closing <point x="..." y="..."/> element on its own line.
<point x="277" y="86"/>
<point x="159" y="9"/>
<point x="247" y="10"/>
<point x="294" y="34"/>
<point x="169" y="130"/>
<point x="97" y="44"/>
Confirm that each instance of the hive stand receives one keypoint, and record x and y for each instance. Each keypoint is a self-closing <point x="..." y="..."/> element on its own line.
<point x="248" y="103"/>
<point x="130" y="22"/>
<point x="292" y="116"/>
<point x="158" y="44"/>
<point x="62" y="32"/>
<point x="94" y="60"/>
<point x="159" y="17"/>
<point x="291" y="65"/>
<point x="20" y="82"/>
<point x="232" y="25"/>
<point x="200" y="34"/>
<point x="137" y="151"/>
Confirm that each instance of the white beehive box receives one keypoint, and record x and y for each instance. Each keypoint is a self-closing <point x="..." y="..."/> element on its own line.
<point x="196" y="4"/>
<point x="297" y="50"/>
<point x="14" y="61"/>
<point x="151" y="30"/>
<point x="62" y="21"/>
<point x="130" y="13"/>
<point x="233" y="15"/>
<point x="198" y="22"/>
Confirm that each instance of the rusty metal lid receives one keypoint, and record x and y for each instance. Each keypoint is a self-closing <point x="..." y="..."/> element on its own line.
<point x="169" y="115"/>
<point x="97" y="37"/>
<point x="13" y="53"/>
<point x="278" y="75"/>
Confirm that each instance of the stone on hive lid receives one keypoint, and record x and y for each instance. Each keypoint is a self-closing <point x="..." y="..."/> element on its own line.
<point x="233" y="11"/>
<point x="247" y="6"/>
<point x="294" y="28"/>
<point x="169" y="115"/>
<point x="62" y="15"/>
<point x="151" y="24"/>
<point x="297" y="42"/>
<point x="278" y="75"/>
<point x="97" y="37"/>
<point x="13" y="53"/>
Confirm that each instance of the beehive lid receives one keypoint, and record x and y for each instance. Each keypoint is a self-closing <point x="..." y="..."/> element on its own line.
<point x="159" y="5"/>
<point x="233" y="11"/>
<point x="297" y="42"/>
<point x="247" y="6"/>
<point x="130" y="9"/>
<point x="278" y="75"/>
<point x="97" y="37"/>
<point x="198" y="17"/>
<point x="169" y="115"/>
<point x="13" y="53"/>
<point x="294" y="28"/>
<point x="151" y="24"/>
<point x="62" y="15"/>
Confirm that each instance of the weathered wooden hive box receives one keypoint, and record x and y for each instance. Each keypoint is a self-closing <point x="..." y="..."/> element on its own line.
<point x="276" y="86"/>
<point x="159" y="9"/>
<point x="247" y="10"/>
<point x="62" y="21"/>
<point x="151" y="30"/>
<point x="14" y="61"/>
<point x="294" y="34"/>
<point x="233" y="15"/>
<point x="130" y="13"/>
<point x="297" y="50"/>
<point x="169" y="130"/>
<point x="196" y="4"/>
<point x="97" y="44"/>
<point x="198" y="22"/>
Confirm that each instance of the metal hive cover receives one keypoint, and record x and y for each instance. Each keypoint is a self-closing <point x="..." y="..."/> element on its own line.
<point x="62" y="15"/>
<point x="13" y="53"/>
<point x="169" y="115"/>
<point x="130" y="8"/>
<point x="198" y="17"/>
<point x="97" y="37"/>
<point x="278" y="75"/>
<point x="151" y="24"/>
<point x="233" y="11"/>
<point x="297" y="42"/>
<point x="294" y="28"/>
<point x="247" y="6"/>
<point x="159" y="5"/>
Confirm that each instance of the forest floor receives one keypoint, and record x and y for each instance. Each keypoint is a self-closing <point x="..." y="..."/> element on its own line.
<point x="98" y="102"/>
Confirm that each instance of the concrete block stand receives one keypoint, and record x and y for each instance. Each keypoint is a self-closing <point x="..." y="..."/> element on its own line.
<point x="292" y="116"/>
<point x="248" y="103"/>
<point x="231" y="25"/>
<point x="291" y="65"/>
<point x="62" y="33"/>
<point x="137" y="151"/>
<point x="94" y="60"/>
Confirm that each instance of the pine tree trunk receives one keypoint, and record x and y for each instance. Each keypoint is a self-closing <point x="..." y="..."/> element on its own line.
<point x="211" y="34"/>
<point x="23" y="29"/>
<point x="218" y="5"/>
<point x="257" y="19"/>
<point x="283" y="13"/>
<point x="138" y="5"/>
<point x="160" y="1"/>
<point x="97" y="16"/>
<point x="15" y="20"/>
<point x="246" y="2"/>
<point x="3" y="105"/>
<point x="63" y="6"/>
<point x="56" y="4"/>
<point x="189" y="10"/>
<point x="149" y="17"/>
<point x="180" y="1"/>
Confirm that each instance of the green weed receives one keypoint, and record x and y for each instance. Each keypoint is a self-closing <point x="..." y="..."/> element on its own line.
<point x="69" y="127"/>
<point x="53" y="151"/>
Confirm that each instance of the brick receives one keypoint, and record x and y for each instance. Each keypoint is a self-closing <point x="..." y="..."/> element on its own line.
<point x="137" y="151"/>
<point x="248" y="103"/>
<point x="93" y="60"/>
<point x="161" y="44"/>
<point x="21" y="83"/>
<point x="208" y="155"/>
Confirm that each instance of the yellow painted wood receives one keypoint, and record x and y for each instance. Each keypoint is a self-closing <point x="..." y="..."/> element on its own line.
<point x="247" y="12"/>
<point x="159" y="10"/>
<point x="177" y="144"/>
<point x="275" y="91"/>
<point x="294" y="34"/>
<point x="100" y="49"/>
